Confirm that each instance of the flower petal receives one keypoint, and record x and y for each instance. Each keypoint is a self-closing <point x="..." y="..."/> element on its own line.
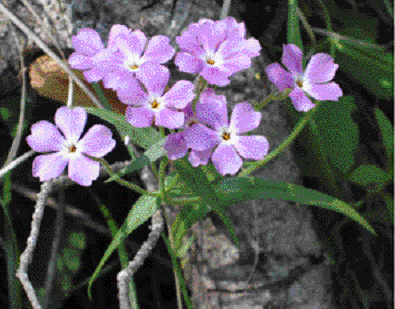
<point x="119" y="79"/>
<point x="252" y="47"/>
<point x="245" y="118"/>
<point x="49" y="166"/>
<point x="208" y="36"/>
<point x="188" y="63"/>
<point x="98" y="141"/>
<point x="322" y="92"/>
<point x="215" y="76"/>
<point x="175" y="146"/>
<point x="45" y="137"/>
<point x="117" y="30"/>
<point x="80" y="62"/>
<point x="292" y="59"/>
<point x="320" y="69"/>
<point x="133" y="42"/>
<point x="129" y="91"/>
<point x="154" y="77"/>
<point x="226" y="160"/>
<point x="237" y="63"/>
<point x="159" y="50"/>
<point x="139" y="117"/>
<point x="71" y="122"/>
<point x="234" y="27"/>
<point x="199" y="137"/>
<point x="278" y="76"/>
<point x="87" y="42"/>
<point x="180" y="94"/>
<point x="169" y="119"/>
<point x="197" y="158"/>
<point x="188" y="41"/>
<point x="83" y="170"/>
<point x="94" y="75"/>
<point x="211" y="109"/>
<point x="253" y="147"/>
<point x="301" y="102"/>
<point x="230" y="47"/>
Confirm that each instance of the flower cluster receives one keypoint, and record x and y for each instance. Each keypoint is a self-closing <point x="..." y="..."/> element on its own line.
<point x="216" y="50"/>
<point x="134" y="67"/>
<point x="210" y="134"/>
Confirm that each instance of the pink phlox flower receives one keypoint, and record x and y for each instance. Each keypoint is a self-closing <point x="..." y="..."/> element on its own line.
<point x="215" y="49"/>
<point x="69" y="148"/>
<point x="133" y="54"/>
<point x="315" y="80"/>
<point x="156" y="106"/>
<point x="224" y="135"/>
<point x="176" y="144"/>
<point x="91" y="56"/>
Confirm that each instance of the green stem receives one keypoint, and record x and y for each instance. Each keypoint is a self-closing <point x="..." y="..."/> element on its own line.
<point x="184" y="200"/>
<point x="122" y="181"/>
<point x="201" y="85"/>
<point x="277" y="96"/>
<point x="162" y="168"/>
<point x="294" y="134"/>
<point x="328" y="26"/>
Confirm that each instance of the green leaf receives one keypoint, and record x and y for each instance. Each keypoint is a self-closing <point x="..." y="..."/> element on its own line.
<point x="368" y="174"/>
<point x="196" y="179"/>
<point x="188" y="216"/>
<point x="140" y="212"/>
<point x="101" y="96"/>
<point x="155" y="152"/>
<point x="338" y="132"/>
<point x="144" y="137"/>
<point x="187" y="243"/>
<point x="293" y="30"/>
<point x="239" y="189"/>
<point x="371" y="67"/>
<point x="387" y="131"/>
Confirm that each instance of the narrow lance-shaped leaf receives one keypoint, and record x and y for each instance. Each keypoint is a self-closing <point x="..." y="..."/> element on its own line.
<point x="239" y="189"/>
<point x="141" y="211"/>
<point x="151" y="155"/>
<point x="196" y="179"/>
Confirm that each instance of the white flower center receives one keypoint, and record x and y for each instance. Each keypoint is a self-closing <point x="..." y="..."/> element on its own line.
<point x="213" y="59"/>
<point x="155" y="103"/>
<point x="299" y="81"/>
<point x="228" y="135"/>
<point x="72" y="148"/>
<point x="133" y="62"/>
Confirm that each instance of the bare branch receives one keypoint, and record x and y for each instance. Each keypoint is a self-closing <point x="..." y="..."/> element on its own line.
<point x="126" y="274"/>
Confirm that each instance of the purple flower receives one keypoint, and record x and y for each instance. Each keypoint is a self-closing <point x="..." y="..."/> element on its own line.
<point x="215" y="49"/>
<point x="130" y="60"/>
<point x="90" y="54"/>
<point x="154" y="106"/>
<point x="224" y="135"/>
<point x="176" y="144"/>
<point x="69" y="148"/>
<point x="315" y="80"/>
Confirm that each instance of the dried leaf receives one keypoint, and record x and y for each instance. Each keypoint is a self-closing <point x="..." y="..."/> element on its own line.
<point x="51" y="81"/>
